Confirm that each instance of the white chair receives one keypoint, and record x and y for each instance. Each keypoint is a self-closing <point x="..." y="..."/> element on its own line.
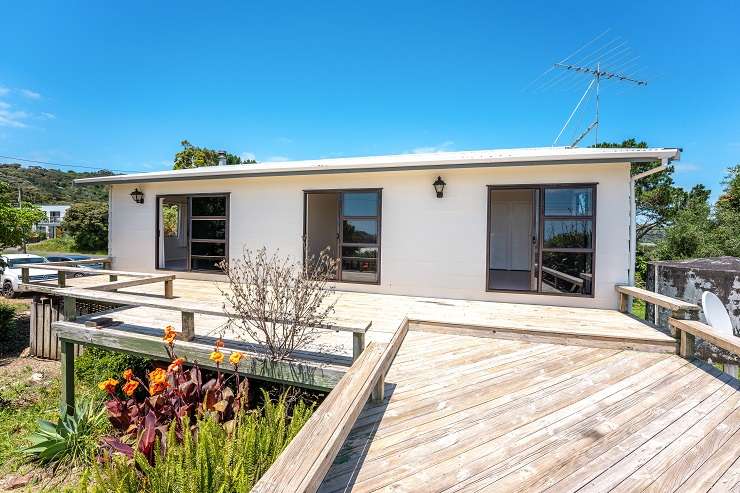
<point x="716" y="313"/>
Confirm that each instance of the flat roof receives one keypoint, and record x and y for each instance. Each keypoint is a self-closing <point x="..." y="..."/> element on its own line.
<point x="399" y="162"/>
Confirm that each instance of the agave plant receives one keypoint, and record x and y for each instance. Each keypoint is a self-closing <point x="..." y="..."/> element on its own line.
<point x="73" y="439"/>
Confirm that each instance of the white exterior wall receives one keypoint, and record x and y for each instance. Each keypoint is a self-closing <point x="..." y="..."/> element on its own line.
<point x="429" y="246"/>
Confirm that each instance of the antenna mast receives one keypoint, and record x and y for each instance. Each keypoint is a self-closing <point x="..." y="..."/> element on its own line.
<point x="597" y="74"/>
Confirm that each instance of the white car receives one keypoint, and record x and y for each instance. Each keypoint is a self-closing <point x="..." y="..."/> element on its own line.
<point x="10" y="273"/>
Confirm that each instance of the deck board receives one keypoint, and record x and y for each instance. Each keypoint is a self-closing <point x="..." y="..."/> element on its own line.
<point x="464" y="413"/>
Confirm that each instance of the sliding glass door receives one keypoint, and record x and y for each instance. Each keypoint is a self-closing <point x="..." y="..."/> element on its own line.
<point x="541" y="239"/>
<point x="192" y="232"/>
<point x="347" y="223"/>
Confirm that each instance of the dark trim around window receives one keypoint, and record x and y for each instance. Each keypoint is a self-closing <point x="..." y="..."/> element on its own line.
<point x="540" y="235"/>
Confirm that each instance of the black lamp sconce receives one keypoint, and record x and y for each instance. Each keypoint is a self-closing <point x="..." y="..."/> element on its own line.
<point x="138" y="196"/>
<point x="439" y="187"/>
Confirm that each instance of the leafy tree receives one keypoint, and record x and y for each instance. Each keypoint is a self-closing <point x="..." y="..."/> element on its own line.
<point x="50" y="186"/>
<point x="657" y="199"/>
<point x="87" y="223"/>
<point x="197" y="157"/>
<point x="16" y="222"/>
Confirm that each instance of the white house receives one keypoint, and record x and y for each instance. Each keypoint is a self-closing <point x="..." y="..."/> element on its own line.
<point x="54" y="216"/>
<point x="541" y="225"/>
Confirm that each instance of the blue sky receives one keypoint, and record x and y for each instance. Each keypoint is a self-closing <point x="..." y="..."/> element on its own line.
<point x="120" y="85"/>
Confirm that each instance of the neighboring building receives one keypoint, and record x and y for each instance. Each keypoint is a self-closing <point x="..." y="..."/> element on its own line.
<point x="52" y="224"/>
<point x="540" y="226"/>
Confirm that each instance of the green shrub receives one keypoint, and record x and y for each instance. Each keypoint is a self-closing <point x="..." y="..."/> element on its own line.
<point x="96" y="364"/>
<point x="7" y="316"/>
<point x="73" y="440"/>
<point x="87" y="223"/>
<point x="226" y="459"/>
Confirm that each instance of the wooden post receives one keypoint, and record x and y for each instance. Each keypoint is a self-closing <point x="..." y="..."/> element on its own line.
<point x="378" y="390"/>
<point x="623" y="302"/>
<point x="686" y="347"/>
<point x="70" y="308"/>
<point x="68" y="377"/>
<point x="358" y="344"/>
<point x="25" y="278"/>
<point x="113" y="277"/>
<point x="107" y="264"/>
<point x="188" y="326"/>
<point x="168" y="289"/>
<point x="61" y="279"/>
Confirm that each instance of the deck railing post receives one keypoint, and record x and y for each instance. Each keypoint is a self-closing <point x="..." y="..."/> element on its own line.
<point x="358" y="344"/>
<point x="378" y="390"/>
<point x="70" y="308"/>
<point x="686" y="344"/>
<point x="25" y="278"/>
<point x="113" y="277"/>
<point x="188" y="326"/>
<point x="61" y="279"/>
<point x="168" y="289"/>
<point x="68" y="377"/>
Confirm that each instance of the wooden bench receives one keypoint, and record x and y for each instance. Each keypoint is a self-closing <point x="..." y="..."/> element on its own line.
<point x="678" y="308"/>
<point x="189" y="308"/>
<point x="688" y="330"/>
<point x="301" y="467"/>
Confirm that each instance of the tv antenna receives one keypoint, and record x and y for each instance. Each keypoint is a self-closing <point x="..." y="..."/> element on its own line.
<point x="592" y="67"/>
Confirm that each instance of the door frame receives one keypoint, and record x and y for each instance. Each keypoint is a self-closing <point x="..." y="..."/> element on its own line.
<point x="540" y="211"/>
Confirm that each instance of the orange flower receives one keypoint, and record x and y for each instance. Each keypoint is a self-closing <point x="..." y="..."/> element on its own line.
<point x="108" y="385"/>
<point x="169" y="335"/>
<point x="217" y="357"/>
<point x="176" y="365"/>
<point x="235" y="358"/>
<point x="130" y="387"/>
<point x="128" y="374"/>
<point x="156" y="388"/>
<point x="158" y="376"/>
<point x="218" y="344"/>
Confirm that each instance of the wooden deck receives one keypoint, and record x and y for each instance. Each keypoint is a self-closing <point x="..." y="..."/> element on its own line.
<point x="578" y="326"/>
<point x="462" y="413"/>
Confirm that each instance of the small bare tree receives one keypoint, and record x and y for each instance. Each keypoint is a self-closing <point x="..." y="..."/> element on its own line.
<point x="277" y="301"/>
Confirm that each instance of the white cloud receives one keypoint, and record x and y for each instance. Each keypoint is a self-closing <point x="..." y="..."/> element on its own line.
<point x="4" y="105"/>
<point x="278" y="158"/>
<point x="10" y="118"/>
<point x="444" y="146"/>
<point x="4" y="91"/>
<point x="30" y="94"/>
<point x="47" y="116"/>
<point x="246" y="156"/>
<point x="686" y="167"/>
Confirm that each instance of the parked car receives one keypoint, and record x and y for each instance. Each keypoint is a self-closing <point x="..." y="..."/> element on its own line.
<point x="73" y="257"/>
<point x="10" y="273"/>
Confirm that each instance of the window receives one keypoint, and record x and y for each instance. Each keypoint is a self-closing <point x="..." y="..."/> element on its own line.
<point x="541" y="239"/>
<point x="193" y="232"/>
<point x="347" y="224"/>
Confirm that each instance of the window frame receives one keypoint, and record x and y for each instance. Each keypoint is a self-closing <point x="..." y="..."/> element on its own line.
<point x="340" y="229"/>
<point x="190" y="240"/>
<point x="541" y="187"/>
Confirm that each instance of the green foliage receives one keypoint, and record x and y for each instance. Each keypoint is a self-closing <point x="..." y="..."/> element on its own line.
<point x="87" y="223"/>
<point x="50" y="186"/>
<point x="7" y="318"/>
<point x="16" y="222"/>
<point x="226" y="459"/>
<point x="73" y="440"/>
<point x="61" y="244"/>
<point x="96" y="364"/>
<point x="171" y="219"/>
<point x="197" y="157"/>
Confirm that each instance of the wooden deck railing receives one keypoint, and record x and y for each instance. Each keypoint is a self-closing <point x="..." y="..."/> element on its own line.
<point x="303" y="464"/>
<point x="688" y="330"/>
<point x="679" y="308"/>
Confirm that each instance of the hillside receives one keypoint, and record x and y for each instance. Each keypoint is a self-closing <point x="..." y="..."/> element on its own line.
<point x="51" y="186"/>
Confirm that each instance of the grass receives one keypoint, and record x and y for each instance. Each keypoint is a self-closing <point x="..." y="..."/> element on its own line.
<point x="638" y="308"/>
<point x="58" y="245"/>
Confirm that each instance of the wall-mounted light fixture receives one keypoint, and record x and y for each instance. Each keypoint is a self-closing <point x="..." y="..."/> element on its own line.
<point x="439" y="187"/>
<point x="138" y="196"/>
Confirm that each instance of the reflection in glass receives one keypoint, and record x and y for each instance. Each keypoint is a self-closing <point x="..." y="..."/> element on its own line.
<point x="568" y="201"/>
<point x="360" y="203"/>
<point x="567" y="272"/>
<point x="209" y="206"/>
<point x="360" y="231"/>
<point x="360" y="252"/>
<point x="359" y="269"/>
<point x="208" y="249"/>
<point x="210" y="263"/>
<point x="567" y="233"/>
<point x="209" y="229"/>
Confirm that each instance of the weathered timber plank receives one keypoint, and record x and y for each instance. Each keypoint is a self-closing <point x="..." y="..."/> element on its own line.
<point x="657" y="299"/>
<point x="708" y="333"/>
<point x="301" y="373"/>
<point x="112" y="286"/>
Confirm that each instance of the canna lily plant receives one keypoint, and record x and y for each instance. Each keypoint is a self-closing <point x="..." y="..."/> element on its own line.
<point x="144" y="411"/>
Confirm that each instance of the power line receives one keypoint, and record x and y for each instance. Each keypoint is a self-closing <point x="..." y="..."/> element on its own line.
<point x="66" y="165"/>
